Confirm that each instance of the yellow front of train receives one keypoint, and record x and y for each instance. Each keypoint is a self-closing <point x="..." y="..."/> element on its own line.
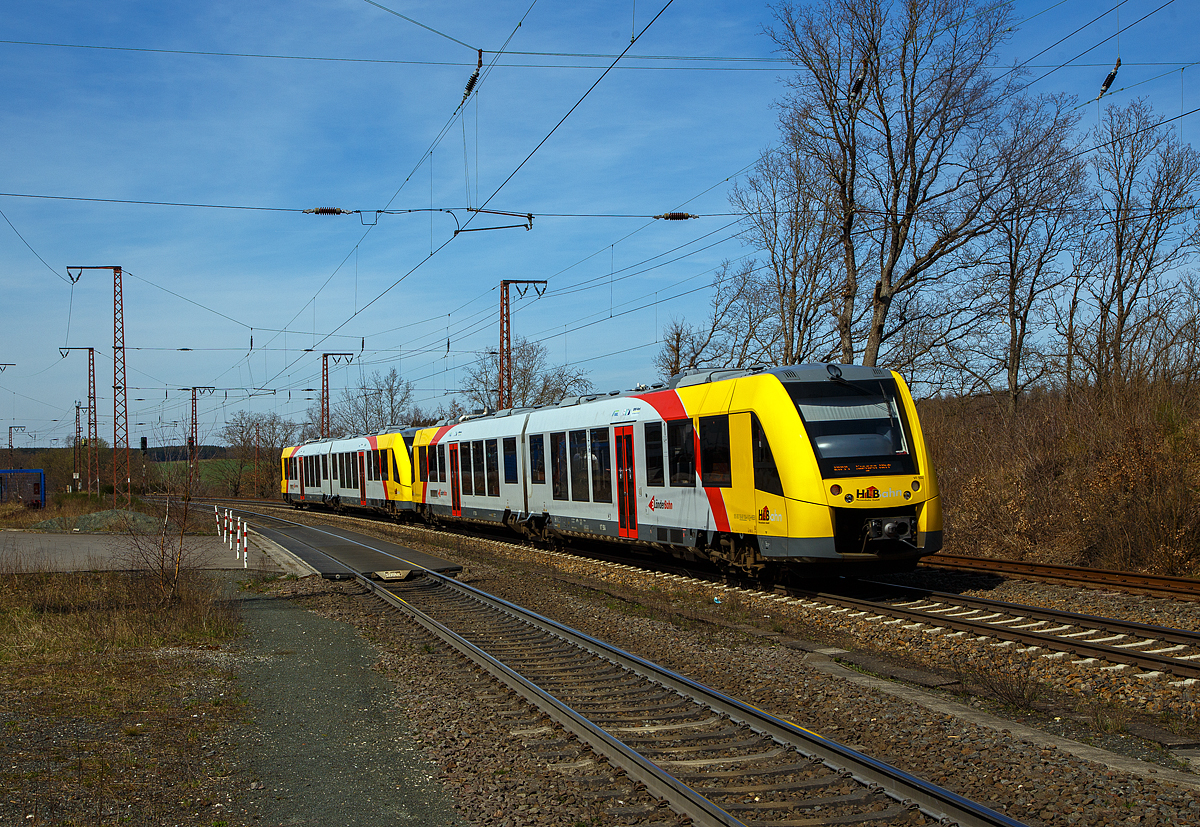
<point x="829" y="466"/>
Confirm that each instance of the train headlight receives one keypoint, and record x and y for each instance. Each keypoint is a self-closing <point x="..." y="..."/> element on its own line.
<point x="916" y="486"/>
<point x="849" y="498"/>
<point x="908" y="495"/>
<point x="835" y="490"/>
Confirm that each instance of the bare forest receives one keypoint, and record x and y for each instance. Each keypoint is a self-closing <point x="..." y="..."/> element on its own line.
<point x="1032" y="278"/>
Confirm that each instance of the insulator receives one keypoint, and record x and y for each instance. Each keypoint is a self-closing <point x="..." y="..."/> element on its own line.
<point x="327" y="211"/>
<point x="1108" y="80"/>
<point x="676" y="216"/>
<point x="471" y="81"/>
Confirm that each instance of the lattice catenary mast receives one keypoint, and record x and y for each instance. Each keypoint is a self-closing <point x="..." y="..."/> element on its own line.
<point x="337" y="358"/>
<point x="120" y="407"/>
<point x="504" y="394"/>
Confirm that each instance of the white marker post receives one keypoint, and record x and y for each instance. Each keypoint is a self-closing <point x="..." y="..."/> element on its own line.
<point x="245" y="544"/>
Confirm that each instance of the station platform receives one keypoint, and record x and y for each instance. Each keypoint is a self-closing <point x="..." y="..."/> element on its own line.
<point x="357" y="553"/>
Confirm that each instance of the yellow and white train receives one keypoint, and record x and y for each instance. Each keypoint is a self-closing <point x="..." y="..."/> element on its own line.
<point x="806" y="466"/>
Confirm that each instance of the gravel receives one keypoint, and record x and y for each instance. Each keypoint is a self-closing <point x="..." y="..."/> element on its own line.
<point x="473" y="743"/>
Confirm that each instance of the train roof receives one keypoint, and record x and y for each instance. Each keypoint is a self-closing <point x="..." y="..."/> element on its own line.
<point x="815" y="372"/>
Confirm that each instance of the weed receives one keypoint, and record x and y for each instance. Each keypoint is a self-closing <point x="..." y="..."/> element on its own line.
<point x="1105" y="716"/>
<point x="1011" y="683"/>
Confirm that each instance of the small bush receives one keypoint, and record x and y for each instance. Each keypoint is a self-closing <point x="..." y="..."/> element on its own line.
<point x="1011" y="683"/>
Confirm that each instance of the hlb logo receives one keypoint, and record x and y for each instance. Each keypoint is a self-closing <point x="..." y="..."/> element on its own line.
<point x="767" y="516"/>
<point x="874" y="493"/>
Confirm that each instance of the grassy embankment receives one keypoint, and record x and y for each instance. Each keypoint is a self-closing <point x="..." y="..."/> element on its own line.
<point x="1108" y="479"/>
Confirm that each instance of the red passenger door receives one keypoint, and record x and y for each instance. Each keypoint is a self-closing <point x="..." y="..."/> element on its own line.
<point x="455" y="491"/>
<point x="626" y="483"/>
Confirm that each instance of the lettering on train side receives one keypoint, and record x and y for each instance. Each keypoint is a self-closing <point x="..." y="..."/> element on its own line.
<point x="661" y="505"/>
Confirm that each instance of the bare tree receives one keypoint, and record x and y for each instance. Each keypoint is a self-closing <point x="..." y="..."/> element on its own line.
<point x="255" y="442"/>
<point x="1145" y="234"/>
<point x="899" y="106"/>
<point x="994" y="323"/>
<point x="534" y="381"/>
<point x="381" y="400"/>
<point x="783" y="205"/>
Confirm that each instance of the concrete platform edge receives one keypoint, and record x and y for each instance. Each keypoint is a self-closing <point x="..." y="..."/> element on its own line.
<point x="290" y="563"/>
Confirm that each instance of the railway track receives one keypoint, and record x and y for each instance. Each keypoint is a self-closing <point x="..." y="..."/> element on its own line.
<point x="1157" y="650"/>
<point x="1179" y="588"/>
<point x="1054" y="634"/>
<point x="711" y="758"/>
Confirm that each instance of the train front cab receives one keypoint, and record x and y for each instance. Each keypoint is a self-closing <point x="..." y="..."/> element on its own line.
<point x="775" y="484"/>
<point x="848" y="452"/>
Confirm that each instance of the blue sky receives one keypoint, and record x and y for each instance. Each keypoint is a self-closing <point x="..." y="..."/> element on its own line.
<point x="294" y="134"/>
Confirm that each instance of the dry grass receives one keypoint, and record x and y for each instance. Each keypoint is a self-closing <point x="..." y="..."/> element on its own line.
<point x="1102" y="479"/>
<point x="109" y="701"/>
<point x="68" y="506"/>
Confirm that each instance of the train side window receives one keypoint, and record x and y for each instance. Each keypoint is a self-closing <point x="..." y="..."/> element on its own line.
<point x="537" y="459"/>
<point x="766" y="473"/>
<point x="579" y="465"/>
<point x="510" y="460"/>
<point x="464" y="460"/>
<point x="324" y="466"/>
<point x="422" y="468"/>
<point x="715" y="467"/>
<point x="395" y="468"/>
<point x="442" y="462"/>
<point x="601" y="466"/>
<point x="654" y="454"/>
<point x="383" y="463"/>
<point x="681" y="448"/>
<point x="558" y="465"/>
<point x="493" y="468"/>
<point x="477" y="462"/>
<point x="333" y="466"/>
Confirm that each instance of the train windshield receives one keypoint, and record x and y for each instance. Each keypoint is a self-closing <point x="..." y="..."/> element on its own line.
<point x="857" y="429"/>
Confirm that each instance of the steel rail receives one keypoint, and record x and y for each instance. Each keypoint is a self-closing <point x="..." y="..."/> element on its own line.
<point x="1104" y="624"/>
<point x="1182" y="588"/>
<point x="659" y="783"/>
<point x="1147" y="661"/>
<point x="679" y="796"/>
<point x="933" y="800"/>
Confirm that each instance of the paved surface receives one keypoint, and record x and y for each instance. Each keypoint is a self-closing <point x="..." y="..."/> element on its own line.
<point x="53" y="551"/>
<point x="330" y="746"/>
<point x="358" y="552"/>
